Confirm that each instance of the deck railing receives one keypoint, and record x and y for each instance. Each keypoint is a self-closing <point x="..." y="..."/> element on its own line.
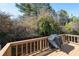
<point x="25" y="47"/>
<point x="68" y="38"/>
<point x="33" y="46"/>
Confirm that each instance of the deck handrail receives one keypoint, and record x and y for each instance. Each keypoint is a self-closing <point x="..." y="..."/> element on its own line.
<point x="25" y="46"/>
<point x="22" y="41"/>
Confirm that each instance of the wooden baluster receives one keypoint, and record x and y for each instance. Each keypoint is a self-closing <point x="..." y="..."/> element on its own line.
<point x="22" y="49"/>
<point x="68" y="39"/>
<point x="30" y="47"/>
<point x="34" y="46"/>
<point x="71" y="38"/>
<point x="16" y="50"/>
<point x="45" y="43"/>
<point x="74" y="39"/>
<point x="26" y="48"/>
<point x="37" y="45"/>
<point x="62" y="38"/>
<point x="78" y="39"/>
<point x="40" y="45"/>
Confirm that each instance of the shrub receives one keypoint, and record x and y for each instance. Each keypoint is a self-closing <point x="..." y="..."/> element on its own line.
<point x="72" y="27"/>
<point x="47" y="26"/>
<point x="68" y="27"/>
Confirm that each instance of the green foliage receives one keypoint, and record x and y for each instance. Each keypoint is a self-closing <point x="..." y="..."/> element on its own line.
<point x="2" y="34"/>
<point x="32" y="9"/>
<point x="74" y="19"/>
<point x="64" y="17"/>
<point x="78" y="30"/>
<point x="44" y="27"/>
<point x="56" y="28"/>
<point x="73" y="26"/>
<point x="68" y="27"/>
<point x="5" y="27"/>
<point x="47" y="26"/>
<point x="63" y="13"/>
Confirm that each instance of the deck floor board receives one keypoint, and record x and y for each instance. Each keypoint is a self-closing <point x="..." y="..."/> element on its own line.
<point x="67" y="50"/>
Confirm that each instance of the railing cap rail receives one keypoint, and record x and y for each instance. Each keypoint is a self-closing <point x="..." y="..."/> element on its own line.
<point x="29" y="40"/>
<point x="70" y="35"/>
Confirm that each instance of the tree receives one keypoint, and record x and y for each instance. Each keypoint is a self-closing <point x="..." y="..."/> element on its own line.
<point x="32" y="9"/>
<point x="25" y="8"/>
<point x="73" y="26"/>
<point x="63" y="17"/>
<point x="5" y="27"/>
<point x="74" y="19"/>
<point x="5" y="22"/>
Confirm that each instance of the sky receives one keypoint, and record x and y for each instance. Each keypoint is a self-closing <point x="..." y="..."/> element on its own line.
<point x="10" y="9"/>
<point x="71" y="8"/>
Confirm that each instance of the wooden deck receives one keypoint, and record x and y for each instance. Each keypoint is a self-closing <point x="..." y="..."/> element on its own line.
<point x="67" y="50"/>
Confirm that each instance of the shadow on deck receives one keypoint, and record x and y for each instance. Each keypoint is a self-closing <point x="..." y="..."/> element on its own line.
<point x="67" y="48"/>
